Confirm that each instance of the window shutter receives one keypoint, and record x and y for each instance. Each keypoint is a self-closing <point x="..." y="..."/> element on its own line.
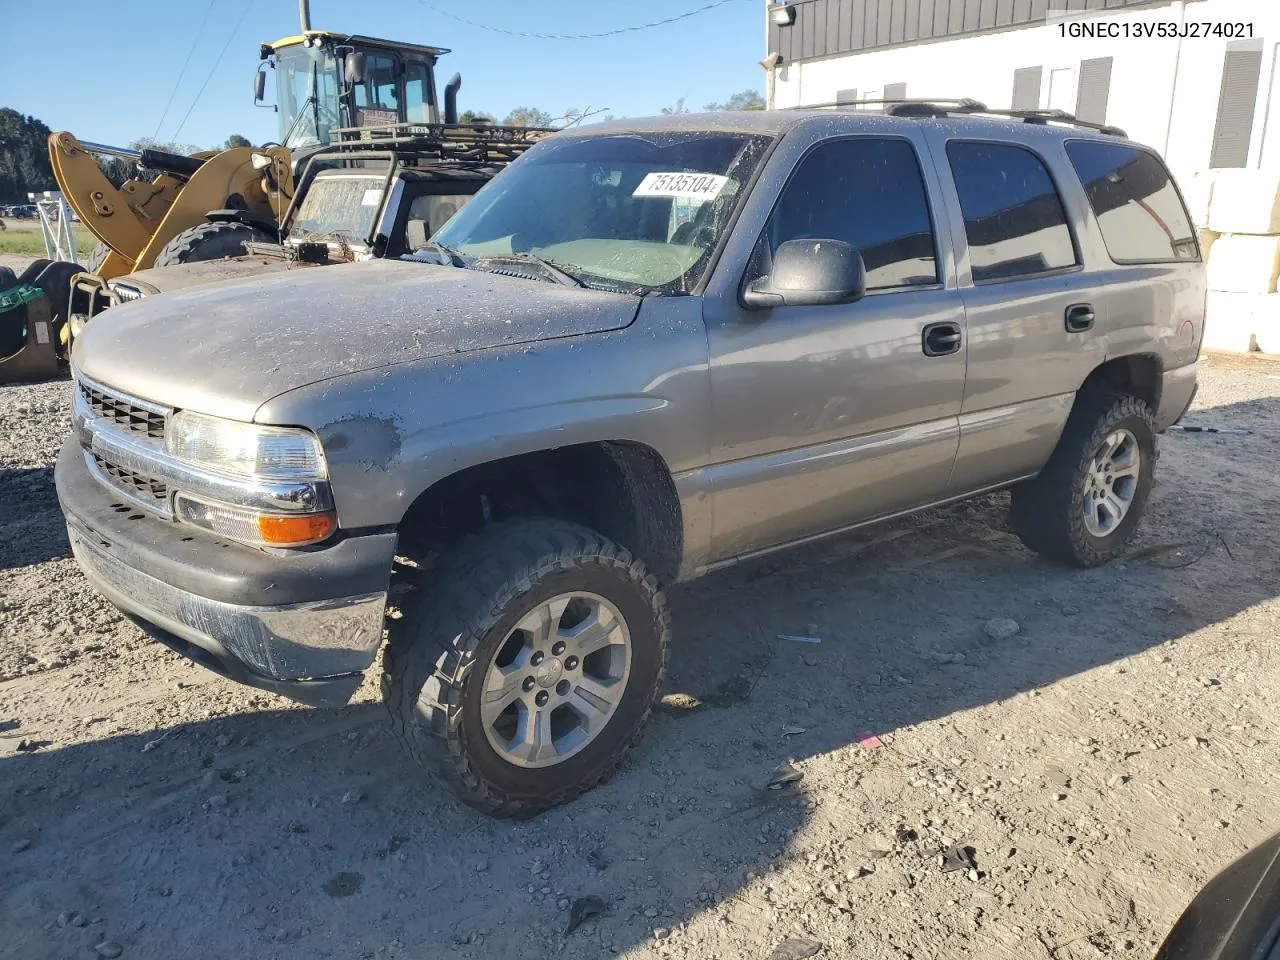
<point x="895" y="91"/>
<point x="1094" y="89"/>
<point x="848" y="95"/>
<point x="1236" y="100"/>
<point x="1026" y="88"/>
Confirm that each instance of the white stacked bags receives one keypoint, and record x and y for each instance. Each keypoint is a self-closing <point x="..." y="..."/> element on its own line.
<point x="1243" y="254"/>
<point x="1241" y="263"/>
<point x="1245" y="201"/>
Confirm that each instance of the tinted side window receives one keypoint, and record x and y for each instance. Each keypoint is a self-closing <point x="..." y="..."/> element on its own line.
<point x="868" y="193"/>
<point x="417" y="92"/>
<point x="1013" y="215"/>
<point x="1138" y="208"/>
<point x="377" y="94"/>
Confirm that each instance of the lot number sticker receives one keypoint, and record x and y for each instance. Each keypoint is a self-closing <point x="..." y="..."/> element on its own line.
<point x="695" y="186"/>
<point x="371" y="197"/>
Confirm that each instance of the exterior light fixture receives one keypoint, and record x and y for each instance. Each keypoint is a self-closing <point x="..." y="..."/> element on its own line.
<point x="782" y="14"/>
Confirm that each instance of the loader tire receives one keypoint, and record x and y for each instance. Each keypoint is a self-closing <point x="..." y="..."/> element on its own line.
<point x="97" y="256"/>
<point x="210" y="241"/>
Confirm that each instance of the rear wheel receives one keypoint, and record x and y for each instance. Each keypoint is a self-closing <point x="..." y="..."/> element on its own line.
<point x="220" y="240"/>
<point x="1084" y="507"/>
<point x="528" y="668"/>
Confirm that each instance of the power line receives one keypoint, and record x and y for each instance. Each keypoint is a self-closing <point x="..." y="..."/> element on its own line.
<point x="575" y="36"/>
<point x="195" y="39"/>
<point x="216" y="63"/>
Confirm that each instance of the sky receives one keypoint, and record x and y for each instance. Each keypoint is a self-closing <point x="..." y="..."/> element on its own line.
<point x="113" y="67"/>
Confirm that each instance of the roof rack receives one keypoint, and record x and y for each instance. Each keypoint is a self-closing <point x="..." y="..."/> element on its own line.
<point x="445" y="141"/>
<point x="943" y="107"/>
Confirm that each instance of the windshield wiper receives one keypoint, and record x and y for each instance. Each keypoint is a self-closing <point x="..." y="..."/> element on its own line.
<point x="309" y="102"/>
<point x="547" y="267"/>
<point x="450" y="257"/>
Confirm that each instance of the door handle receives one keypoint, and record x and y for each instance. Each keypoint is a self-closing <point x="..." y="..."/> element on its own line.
<point x="1080" y="317"/>
<point x="940" y="339"/>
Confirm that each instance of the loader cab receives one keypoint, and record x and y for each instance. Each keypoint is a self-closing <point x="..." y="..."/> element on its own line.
<point x="327" y="82"/>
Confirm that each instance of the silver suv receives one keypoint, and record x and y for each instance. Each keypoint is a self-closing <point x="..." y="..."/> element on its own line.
<point x="643" y="352"/>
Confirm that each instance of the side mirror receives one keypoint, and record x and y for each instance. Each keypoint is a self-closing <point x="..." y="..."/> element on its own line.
<point x="809" y="273"/>
<point x="259" y="86"/>
<point x="353" y="66"/>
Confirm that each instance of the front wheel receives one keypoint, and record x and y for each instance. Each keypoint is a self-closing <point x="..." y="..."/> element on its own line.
<point x="1084" y="507"/>
<point x="529" y="666"/>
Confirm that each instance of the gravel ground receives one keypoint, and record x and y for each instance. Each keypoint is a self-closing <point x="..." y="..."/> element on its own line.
<point x="17" y="262"/>
<point x="1101" y="763"/>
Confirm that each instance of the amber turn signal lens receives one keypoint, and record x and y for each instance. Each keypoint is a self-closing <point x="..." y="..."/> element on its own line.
<point x="289" y="531"/>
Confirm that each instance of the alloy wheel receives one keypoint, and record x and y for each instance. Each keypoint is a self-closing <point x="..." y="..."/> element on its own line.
<point x="556" y="680"/>
<point x="1111" y="481"/>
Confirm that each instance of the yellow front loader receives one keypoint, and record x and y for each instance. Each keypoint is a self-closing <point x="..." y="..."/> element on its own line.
<point x="137" y="221"/>
<point x="205" y="206"/>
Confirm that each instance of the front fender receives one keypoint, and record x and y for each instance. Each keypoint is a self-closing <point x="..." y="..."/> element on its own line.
<point x="389" y="434"/>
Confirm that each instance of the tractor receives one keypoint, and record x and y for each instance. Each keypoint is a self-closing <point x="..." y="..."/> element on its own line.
<point x="380" y="195"/>
<point x="328" y="86"/>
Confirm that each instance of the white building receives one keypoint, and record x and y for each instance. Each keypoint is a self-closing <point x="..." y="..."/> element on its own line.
<point x="1199" y="80"/>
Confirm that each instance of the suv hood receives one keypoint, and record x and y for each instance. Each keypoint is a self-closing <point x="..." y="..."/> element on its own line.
<point x="227" y="348"/>
<point x="179" y="276"/>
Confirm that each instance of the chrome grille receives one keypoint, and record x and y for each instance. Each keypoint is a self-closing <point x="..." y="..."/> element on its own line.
<point x="131" y="416"/>
<point x="133" y="485"/>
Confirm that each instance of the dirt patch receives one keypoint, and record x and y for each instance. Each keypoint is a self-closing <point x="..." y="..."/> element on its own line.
<point x="1059" y="791"/>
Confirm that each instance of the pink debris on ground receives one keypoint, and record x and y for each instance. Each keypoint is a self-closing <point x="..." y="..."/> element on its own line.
<point x="869" y="741"/>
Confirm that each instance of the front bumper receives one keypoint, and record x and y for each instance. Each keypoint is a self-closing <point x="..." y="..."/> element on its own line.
<point x="301" y="623"/>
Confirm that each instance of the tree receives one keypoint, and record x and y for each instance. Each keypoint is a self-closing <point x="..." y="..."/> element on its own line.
<point x="118" y="170"/>
<point x="24" y="157"/>
<point x="472" y="116"/>
<point x="527" y="117"/>
<point x="575" y="115"/>
<point x="743" y="100"/>
<point x="167" y="146"/>
<point x="235" y="140"/>
<point x="678" y="108"/>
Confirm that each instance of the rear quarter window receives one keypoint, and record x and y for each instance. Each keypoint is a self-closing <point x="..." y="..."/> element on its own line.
<point x="1014" y="219"/>
<point x="1138" y="208"/>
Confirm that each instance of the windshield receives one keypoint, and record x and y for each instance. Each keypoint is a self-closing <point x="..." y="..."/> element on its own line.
<point x="307" y="94"/>
<point x="338" y="208"/>
<point x="639" y="211"/>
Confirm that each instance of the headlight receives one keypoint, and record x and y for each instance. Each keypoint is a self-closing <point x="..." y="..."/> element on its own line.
<point x="245" y="449"/>
<point x="289" y="457"/>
